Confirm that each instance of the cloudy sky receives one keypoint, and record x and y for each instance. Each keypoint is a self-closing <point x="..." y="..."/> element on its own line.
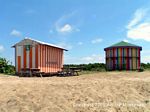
<point x="84" y="27"/>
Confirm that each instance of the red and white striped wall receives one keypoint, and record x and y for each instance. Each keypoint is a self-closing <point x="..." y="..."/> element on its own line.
<point x="51" y="59"/>
<point x="47" y="58"/>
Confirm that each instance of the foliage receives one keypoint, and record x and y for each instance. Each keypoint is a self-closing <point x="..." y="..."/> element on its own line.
<point x="5" y="67"/>
<point x="89" y="67"/>
<point x="145" y="66"/>
<point x="101" y="66"/>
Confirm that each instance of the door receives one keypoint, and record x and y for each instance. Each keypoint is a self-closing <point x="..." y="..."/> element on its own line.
<point x="19" y="63"/>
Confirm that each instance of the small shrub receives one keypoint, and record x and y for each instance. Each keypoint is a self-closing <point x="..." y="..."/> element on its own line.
<point x="5" y="67"/>
<point x="141" y="70"/>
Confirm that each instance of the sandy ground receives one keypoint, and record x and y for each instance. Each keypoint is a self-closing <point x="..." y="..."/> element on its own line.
<point x="97" y="92"/>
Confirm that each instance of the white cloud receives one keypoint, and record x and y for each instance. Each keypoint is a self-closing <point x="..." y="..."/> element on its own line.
<point x="98" y="40"/>
<point x="145" y="59"/>
<point x="125" y="40"/>
<point x="139" y="27"/>
<point x="80" y="43"/>
<point x="84" y="60"/>
<point x="1" y="48"/>
<point x="62" y="25"/>
<point x="138" y="16"/>
<point x="145" y="52"/>
<point x="66" y="28"/>
<point x="142" y="31"/>
<point x="92" y="59"/>
<point x="16" y="33"/>
<point x="64" y="45"/>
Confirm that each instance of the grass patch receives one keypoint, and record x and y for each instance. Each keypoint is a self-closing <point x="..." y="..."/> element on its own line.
<point x="1" y="74"/>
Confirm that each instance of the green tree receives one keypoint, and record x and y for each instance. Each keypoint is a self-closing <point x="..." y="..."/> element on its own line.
<point x="5" y="67"/>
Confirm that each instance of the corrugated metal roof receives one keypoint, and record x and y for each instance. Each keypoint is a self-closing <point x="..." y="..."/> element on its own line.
<point x="123" y="44"/>
<point x="40" y="42"/>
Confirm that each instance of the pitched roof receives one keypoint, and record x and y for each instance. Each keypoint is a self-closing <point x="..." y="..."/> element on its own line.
<point x="43" y="43"/>
<point x="124" y="44"/>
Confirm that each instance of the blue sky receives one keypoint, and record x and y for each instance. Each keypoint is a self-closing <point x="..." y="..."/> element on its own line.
<point x="84" y="27"/>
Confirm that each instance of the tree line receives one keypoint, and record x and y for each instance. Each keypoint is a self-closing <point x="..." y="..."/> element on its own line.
<point x="7" y="68"/>
<point x="145" y="66"/>
<point x="88" y="67"/>
<point x="101" y="66"/>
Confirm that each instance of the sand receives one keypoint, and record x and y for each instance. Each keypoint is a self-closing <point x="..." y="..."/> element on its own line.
<point x="97" y="92"/>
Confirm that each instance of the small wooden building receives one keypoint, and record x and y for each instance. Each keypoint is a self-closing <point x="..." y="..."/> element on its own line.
<point x="123" y="56"/>
<point x="30" y="53"/>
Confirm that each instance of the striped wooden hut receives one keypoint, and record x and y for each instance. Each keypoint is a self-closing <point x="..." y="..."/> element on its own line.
<point x="30" y="53"/>
<point x="123" y="56"/>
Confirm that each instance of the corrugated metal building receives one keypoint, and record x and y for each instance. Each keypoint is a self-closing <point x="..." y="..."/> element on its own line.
<point x="30" y="53"/>
<point x="123" y="56"/>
